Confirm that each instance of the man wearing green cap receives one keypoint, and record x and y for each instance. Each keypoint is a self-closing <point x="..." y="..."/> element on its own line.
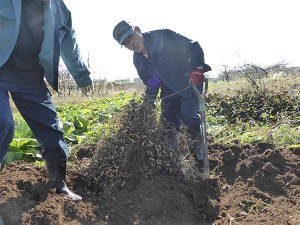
<point x="167" y="61"/>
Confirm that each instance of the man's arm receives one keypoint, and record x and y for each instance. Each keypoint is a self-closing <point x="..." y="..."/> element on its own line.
<point x="71" y="56"/>
<point x="145" y="72"/>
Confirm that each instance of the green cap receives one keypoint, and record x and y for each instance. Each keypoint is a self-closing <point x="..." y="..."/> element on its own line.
<point x="122" y="30"/>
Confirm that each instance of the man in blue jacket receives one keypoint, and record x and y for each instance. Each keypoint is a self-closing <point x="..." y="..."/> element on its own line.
<point x="33" y="36"/>
<point x="167" y="60"/>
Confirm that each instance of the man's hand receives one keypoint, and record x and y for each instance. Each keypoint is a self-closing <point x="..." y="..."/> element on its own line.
<point x="88" y="90"/>
<point x="197" y="76"/>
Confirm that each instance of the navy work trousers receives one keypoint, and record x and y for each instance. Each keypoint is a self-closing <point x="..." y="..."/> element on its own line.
<point x="36" y="107"/>
<point x="178" y="110"/>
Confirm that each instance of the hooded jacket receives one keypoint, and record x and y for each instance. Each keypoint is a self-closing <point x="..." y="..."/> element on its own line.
<point x="59" y="40"/>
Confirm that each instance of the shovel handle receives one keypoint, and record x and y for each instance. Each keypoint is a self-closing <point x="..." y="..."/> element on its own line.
<point x="199" y="96"/>
<point x="201" y="99"/>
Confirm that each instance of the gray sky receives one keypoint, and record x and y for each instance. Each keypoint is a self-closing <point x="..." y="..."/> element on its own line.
<point x="231" y="32"/>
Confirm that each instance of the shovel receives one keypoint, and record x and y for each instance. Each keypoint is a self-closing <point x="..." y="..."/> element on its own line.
<point x="203" y="135"/>
<point x="208" y="188"/>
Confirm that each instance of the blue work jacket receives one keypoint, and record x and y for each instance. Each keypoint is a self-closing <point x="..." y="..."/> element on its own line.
<point x="171" y="58"/>
<point x="59" y="40"/>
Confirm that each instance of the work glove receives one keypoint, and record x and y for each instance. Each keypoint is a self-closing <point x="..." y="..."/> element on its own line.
<point x="153" y="81"/>
<point x="88" y="90"/>
<point x="197" y="76"/>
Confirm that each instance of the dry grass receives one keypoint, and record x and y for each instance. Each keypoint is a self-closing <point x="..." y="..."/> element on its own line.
<point x="220" y="87"/>
<point x="277" y="85"/>
<point x="76" y="97"/>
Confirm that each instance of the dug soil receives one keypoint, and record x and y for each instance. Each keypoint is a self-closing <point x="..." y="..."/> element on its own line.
<point x="255" y="185"/>
<point x="248" y="184"/>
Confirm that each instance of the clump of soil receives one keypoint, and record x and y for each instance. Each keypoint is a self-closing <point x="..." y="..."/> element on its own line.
<point x="144" y="183"/>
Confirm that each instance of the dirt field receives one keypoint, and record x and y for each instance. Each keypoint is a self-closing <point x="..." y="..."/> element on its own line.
<point x="250" y="185"/>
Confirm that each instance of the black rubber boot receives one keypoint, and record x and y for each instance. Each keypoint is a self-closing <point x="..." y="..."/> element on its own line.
<point x="57" y="176"/>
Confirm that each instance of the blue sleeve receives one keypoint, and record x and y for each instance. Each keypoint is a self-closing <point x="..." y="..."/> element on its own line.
<point x="71" y="56"/>
<point x="145" y="72"/>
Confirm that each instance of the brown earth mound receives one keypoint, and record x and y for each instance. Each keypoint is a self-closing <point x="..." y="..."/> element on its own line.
<point x="140" y="175"/>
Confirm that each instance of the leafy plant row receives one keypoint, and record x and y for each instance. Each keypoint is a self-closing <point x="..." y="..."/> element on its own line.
<point x="251" y="106"/>
<point x="84" y="121"/>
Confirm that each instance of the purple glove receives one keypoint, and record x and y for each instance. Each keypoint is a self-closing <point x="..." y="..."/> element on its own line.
<point x="153" y="82"/>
